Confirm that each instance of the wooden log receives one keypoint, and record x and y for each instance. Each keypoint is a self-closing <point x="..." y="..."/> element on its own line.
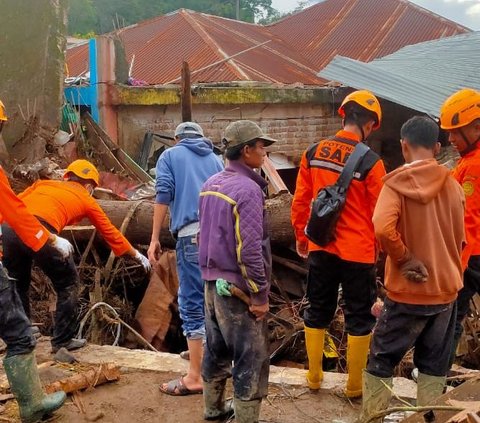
<point x="97" y="375"/>
<point x="140" y="226"/>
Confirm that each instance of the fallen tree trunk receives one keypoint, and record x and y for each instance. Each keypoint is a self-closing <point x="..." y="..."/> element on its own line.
<point x="140" y="226"/>
<point x="97" y="375"/>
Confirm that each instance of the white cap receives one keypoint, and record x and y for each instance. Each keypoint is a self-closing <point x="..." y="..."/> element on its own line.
<point x="189" y="128"/>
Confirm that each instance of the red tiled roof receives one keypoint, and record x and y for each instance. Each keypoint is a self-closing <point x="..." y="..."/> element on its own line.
<point x="298" y="46"/>
<point x="361" y="29"/>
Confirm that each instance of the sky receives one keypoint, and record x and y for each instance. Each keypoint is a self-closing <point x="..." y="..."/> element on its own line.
<point x="465" y="12"/>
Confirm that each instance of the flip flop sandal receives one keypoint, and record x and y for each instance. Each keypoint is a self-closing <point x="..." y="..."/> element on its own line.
<point x="177" y="388"/>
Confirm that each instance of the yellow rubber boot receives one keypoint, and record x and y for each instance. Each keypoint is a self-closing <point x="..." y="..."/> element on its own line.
<point x="357" y="353"/>
<point x="314" y="341"/>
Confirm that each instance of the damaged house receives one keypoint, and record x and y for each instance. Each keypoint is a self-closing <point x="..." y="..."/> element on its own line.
<point x="240" y="70"/>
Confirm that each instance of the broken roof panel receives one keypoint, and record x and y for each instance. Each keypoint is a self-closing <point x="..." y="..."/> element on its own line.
<point x="420" y="76"/>
<point x="361" y="29"/>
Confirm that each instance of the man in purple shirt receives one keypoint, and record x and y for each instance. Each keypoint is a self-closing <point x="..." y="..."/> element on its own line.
<point x="234" y="248"/>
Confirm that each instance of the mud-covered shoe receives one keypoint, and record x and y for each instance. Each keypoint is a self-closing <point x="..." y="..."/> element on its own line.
<point x="36" y="332"/>
<point x="73" y="344"/>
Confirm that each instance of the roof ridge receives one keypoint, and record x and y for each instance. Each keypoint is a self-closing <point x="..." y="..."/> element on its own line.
<point x="135" y="25"/>
<point x="197" y="27"/>
<point x="272" y="50"/>
<point x="436" y="15"/>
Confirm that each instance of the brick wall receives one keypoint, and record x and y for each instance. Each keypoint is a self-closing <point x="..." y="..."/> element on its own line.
<point x="295" y="126"/>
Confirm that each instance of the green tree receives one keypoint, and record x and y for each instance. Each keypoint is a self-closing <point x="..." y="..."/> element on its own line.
<point x="100" y="16"/>
<point x="82" y="18"/>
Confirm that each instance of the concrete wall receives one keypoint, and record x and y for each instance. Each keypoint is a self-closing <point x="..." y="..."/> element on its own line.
<point x="31" y="64"/>
<point x="295" y="116"/>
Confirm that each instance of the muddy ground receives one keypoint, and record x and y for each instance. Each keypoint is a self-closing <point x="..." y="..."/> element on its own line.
<point x="136" y="398"/>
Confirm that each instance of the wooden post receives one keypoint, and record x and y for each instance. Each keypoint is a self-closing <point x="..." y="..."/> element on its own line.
<point x="186" y="96"/>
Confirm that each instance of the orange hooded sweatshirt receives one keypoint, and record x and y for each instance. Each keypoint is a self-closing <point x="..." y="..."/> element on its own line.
<point x="421" y="210"/>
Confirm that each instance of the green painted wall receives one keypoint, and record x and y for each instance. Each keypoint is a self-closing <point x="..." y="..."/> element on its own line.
<point x="138" y="96"/>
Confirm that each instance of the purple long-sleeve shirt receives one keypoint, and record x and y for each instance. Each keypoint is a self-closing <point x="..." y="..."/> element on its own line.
<point x="234" y="243"/>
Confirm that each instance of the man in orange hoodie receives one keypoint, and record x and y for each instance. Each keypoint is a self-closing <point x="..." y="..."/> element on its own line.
<point x="350" y="258"/>
<point x="418" y="222"/>
<point x="57" y="204"/>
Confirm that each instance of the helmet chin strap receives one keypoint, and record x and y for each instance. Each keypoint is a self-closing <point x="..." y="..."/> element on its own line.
<point x="470" y="145"/>
<point x="360" y="127"/>
<point x="363" y="133"/>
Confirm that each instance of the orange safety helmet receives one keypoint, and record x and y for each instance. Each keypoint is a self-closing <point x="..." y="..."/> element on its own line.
<point x="460" y="109"/>
<point x="366" y="100"/>
<point x="3" y="113"/>
<point x="84" y="170"/>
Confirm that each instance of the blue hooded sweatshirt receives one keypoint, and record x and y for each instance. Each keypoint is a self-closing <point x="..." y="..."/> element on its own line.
<point x="180" y="173"/>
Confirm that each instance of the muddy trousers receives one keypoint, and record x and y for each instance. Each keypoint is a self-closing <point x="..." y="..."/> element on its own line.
<point x="233" y="334"/>
<point x="18" y="260"/>
<point x="471" y="286"/>
<point x="15" y="329"/>
<point x="429" y="328"/>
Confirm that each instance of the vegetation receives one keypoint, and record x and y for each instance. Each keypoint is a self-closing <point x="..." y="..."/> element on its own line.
<point x="100" y="16"/>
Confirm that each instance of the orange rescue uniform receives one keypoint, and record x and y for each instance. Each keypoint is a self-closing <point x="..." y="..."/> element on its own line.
<point x="62" y="203"/>
<point x="467" y="173"/>
<point x="355" y="238"/>
<point x="15" y="213"/>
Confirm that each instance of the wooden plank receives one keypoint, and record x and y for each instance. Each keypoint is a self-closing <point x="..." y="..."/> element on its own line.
<point x="106" y="156"/>
<point x="274" y="178"/>
<point x="468" y="391"/>
<point x="127" y="164"/>
<point x="186" y="94"/>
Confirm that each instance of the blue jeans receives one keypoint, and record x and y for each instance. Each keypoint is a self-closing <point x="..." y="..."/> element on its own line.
<point x="190" y="290"/>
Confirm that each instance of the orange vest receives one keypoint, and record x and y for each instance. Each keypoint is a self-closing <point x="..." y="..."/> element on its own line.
<point x="62" y="203"/>
<point x="321" y="165"/>
<point x="467" y="173"/>
<point x="14" y="212"/>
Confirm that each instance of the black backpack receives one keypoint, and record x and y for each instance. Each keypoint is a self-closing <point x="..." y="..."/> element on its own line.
<point x="330" y="201"/>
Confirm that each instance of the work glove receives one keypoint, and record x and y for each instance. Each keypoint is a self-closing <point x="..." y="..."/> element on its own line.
<point x="223" y="288"/>
<point x="413" y="269"/>
<point x="62" y="246"/>
<point x="143" y="261"/>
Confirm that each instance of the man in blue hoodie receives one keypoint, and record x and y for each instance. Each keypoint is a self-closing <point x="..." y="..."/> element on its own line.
<point x="180" y="174"/>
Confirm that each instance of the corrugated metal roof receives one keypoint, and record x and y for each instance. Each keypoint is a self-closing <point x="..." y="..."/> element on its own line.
<point x="77" y="60"/>
<point x="160" y="46"/>
<point x="298" y="46"/>
<point x="361" y="29"/>
<point x="420" y="76"/>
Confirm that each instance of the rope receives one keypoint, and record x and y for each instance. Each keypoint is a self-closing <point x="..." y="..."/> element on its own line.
<point x="117" y="320"/>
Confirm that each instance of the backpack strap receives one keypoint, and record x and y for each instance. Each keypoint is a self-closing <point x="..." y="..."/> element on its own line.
<point x="311" y="153"/>
<point x="352" y="165"/>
